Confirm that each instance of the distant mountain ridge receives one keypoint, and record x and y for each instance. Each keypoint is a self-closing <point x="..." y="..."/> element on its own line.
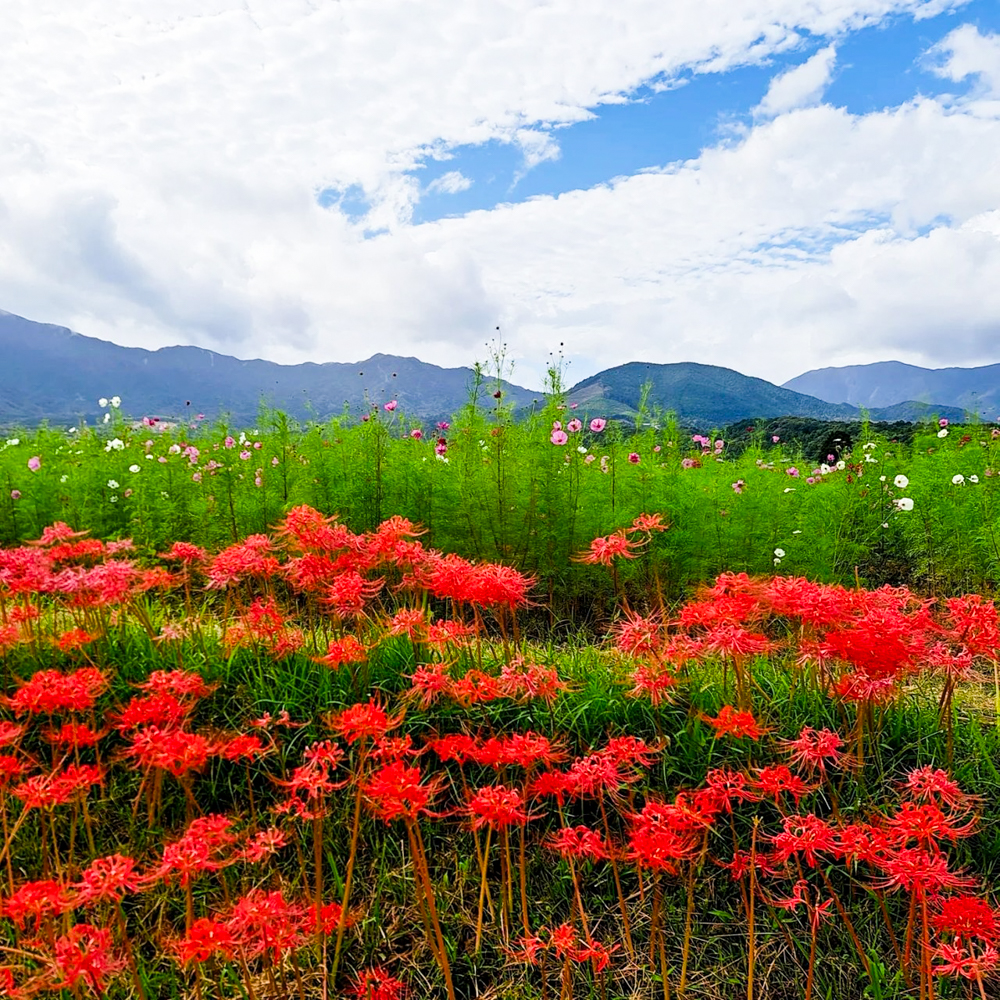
<point x="51" y="373"/>
<point x="885" y="383"/>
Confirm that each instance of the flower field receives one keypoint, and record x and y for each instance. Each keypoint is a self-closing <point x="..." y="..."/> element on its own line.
<point x="343" y="718"/>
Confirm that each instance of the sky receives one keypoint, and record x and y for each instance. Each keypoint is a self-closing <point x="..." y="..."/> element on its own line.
<point x="770" y="185"/>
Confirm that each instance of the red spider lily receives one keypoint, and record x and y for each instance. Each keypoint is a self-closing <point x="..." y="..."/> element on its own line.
<point x="603" y="551"/>
<point x="458" y="747"/>
<point x="474" y="687"/>
<point x="341" y="651"/>
<point x="530" y="749"/>
<point x="771" y="782"/>
<point x="267" y="924"/>
<point x="307" y="529"/>
<point x="247" y="558"/>
<point x="920" y="871"/>
<point x="596" y="775"/>
<point x="197" y="851"/>
<point x="186" y="553"/>
<point x="924" y="824"/>
<point x="267" y="721"/>
<point x="974" y="622"/>
<point x="524" y="681"/>
<point x="530" y="947"/>
<point x="429" y="682"/>
<point x="206" y="938"/>
<point x="657" y="841"/>
<point x="363" y="721"/>
<point x="377" y="984"/>
<point x="812" y="749"/>
<point x="967" y="918"/>
<point x="563" y="940"/>
<point x="732" y="722"/>
<point x="805" y="835"/>
<point x="11" y="768"/>
<point x="73" y="734"/>
<point x="396" y="791"/>
<point x="349" y="592"/>
<point x="936" y="785"/>
<point x="497" y="807"/>
<point x="648" y="523"/>
<point x="177" y="684"/>
<point x="263" y="844"/>
<point x="599" y="955"/>
<point x="173" y="750"/>
<point x="580" y="842"/>
<point x="743" y="861"/>
<point x="10" y="732"/>
<point x="736" y="642"/>
<point x="160" y="711"/>
<point x="816" y="604"/>
<point x="107" y="879"/>
<point x="242" y="746"/>
<point x="963" y="961"/>
<point x="411" y="622"/>
<point x="44" y="791"/>
<point x="74" y="638"/>
<point x="35" y="901"/>
<point x="724" y="787"/>
<point x="637" y="636"/>
<point x="58" y="531"/>
<point x="390" y="748"/>
<point x="263" y="626"/>
<point x="630" y="751"/>
<point x="49" y="692"/>
<point x="329" y="919"/>
<point x="84" y="955"/>
<point x="448" y="633"/>
<point x="311" y="783"/>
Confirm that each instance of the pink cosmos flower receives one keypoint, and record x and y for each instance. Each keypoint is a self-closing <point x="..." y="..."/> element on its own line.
<point x="942" y="422"/>
<point x="792" y="471"/>
<point x="15" y="494"/>
<point x="245" y="455"/>
<point x="574" y="425"/>
<point x="34" y="463"/>
<point x="775" y="439"/>
<point x="390" y="406"/>
<point x="230" y="441"/>
<point x="597" y="425"/>
<point x="589" y="459"/>
<point x="197" y="477"/>
<point x="443" y="425"/>
<point x="559" y="437"/>
<point x="738" y="486"/>
<point x="416" y="433"/>
<point x="633" y="457"/>
<point x="556" y="425"/>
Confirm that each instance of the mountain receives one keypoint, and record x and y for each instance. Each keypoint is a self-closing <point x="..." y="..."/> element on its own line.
<point x="884" y="383"/>
<point x="50" y="372"/>
<point x="709" y="396"/>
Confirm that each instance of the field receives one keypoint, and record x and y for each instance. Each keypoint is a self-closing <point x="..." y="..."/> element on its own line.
<point x="546" y="707"/>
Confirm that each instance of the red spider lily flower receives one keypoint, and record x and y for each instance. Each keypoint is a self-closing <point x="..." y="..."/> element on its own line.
<point x="58" y="531"/>
<point x="859" y="842"/>
<point x="11" y="768"/>
<point x="563" y="940"/>
<point x="975" y="624"/>
<point x="206" y="938"/>
<point x="917" y="870"/>
<point x="497" y="806"/>
<point x="177" y="684"/>
<point x="580" y="842"/>
<point x="173" y="750"/>
<point x="966" y="918"/>
<point x="596" y="775"/>
<point x="524" y="681"/>
<point x="448" y="633"/>
<point x="637" y="636"/>
<point x="411" y="622"/>
<point x="813" y="749"/>
<point x="267" y="924"/>
<point x="957" y="960"/>
<point x="308" y="788"/>
<point x="656" y="842"/>
<point x="771" y="782"/>
<point x="932" y="784"/>
<point x="196" y="852"/>
<point x="924" y="824"/>
<point x="557" y="784"/>
<point x="349" y="592"/>
<point x="743" y="861"/>
<point x="107" y="879"/>
<point x="807" y="835"/>
<point x="306" y="529"/>
<point x="35" y="901"/>
<point x="654" y="680"/>
<point x="736" y="642"/>
<point x="630" y="751"/>
<point x="186" y="553"/>
<point x="603" y="551"/>
<point x="10" y="732"/>
<point x="74" y="638"/>
<point x="474" y="687"/>
<point x="263" y="844"/>
<point x="267" y="721"/>
<point x="160" y="711"/>
<point x="49" y="692"/>
<point x="329" y="919"/>
<point x="530" y="749"/>
<point x="85" y="955"/>
<point x="247" y="558"/>
<point x="363" y="721"/>
<point x="529" y="948"/>
<point x="242" y="746"/>
<point x="341" y="651"/>
<point x="377" y="984"/>
<point x="724" y="787"/>
<point x="459" y="747"/>
<point x="597" y="954"/>
<point x="497" y="584"/>
<point x="731" y="722"/>
<point x="263" y="625"/>
<point x="390" y="748"/>
<point x="44" y="791"/>
<point x="396" y="791"/>
<point x="73" y="734"/>
<point x="648" y="523"/>
<point x="429" y="681"/>
<point x="323" y="752"/>
<point x="8" y="987"/>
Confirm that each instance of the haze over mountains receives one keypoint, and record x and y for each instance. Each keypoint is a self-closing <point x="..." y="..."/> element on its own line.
<point x="51" y="373"/>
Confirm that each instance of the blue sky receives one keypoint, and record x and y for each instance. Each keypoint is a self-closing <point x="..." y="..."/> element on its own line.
<point x="768" y="184"/>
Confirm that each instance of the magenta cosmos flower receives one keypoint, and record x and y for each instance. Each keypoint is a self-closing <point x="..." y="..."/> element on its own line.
<point x="390" y="406"/>
<point x="574" y="425"/>
<point x="559" y="437"/>
<point x="633" y="457"/>
<point x="34" y="463"/>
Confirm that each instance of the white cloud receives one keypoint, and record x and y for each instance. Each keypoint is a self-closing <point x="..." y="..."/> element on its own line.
<point x="967" y="52"/>
<point x="161" y="169"/>
<point x="800" y="86"/>
<point x="450" y="183"/>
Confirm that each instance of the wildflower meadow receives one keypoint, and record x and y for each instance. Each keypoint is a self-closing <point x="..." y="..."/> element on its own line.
<point x="525" y="705"/>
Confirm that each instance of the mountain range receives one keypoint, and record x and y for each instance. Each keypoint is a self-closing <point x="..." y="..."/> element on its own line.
<point x="51" y="373"/>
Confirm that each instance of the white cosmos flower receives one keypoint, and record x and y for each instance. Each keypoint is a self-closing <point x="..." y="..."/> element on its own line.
<point x="901" y="482"/>
<point x="112" y="484"/>
<point x="943" y="433"/>
<point x="115" y="444"/>
<point x="841" y="465"/>
<point x="113" y="499"/>
<point x="116" y="401"/>
<point x="957" y="479"/>
<point x="868" y="446"/>
<point x="133" y="468"/>
<point x="903" y="503"/>
<point x="107" y="418"/>
<point x="973" y="479"/>
<point x="780" y="553"/>
<point x="13" y="441"/>
<point x="102" y="402"/>
<point x="788" y="489"/>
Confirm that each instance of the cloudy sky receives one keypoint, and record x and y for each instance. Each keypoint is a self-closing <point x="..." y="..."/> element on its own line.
<point x="770" y="185"/>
